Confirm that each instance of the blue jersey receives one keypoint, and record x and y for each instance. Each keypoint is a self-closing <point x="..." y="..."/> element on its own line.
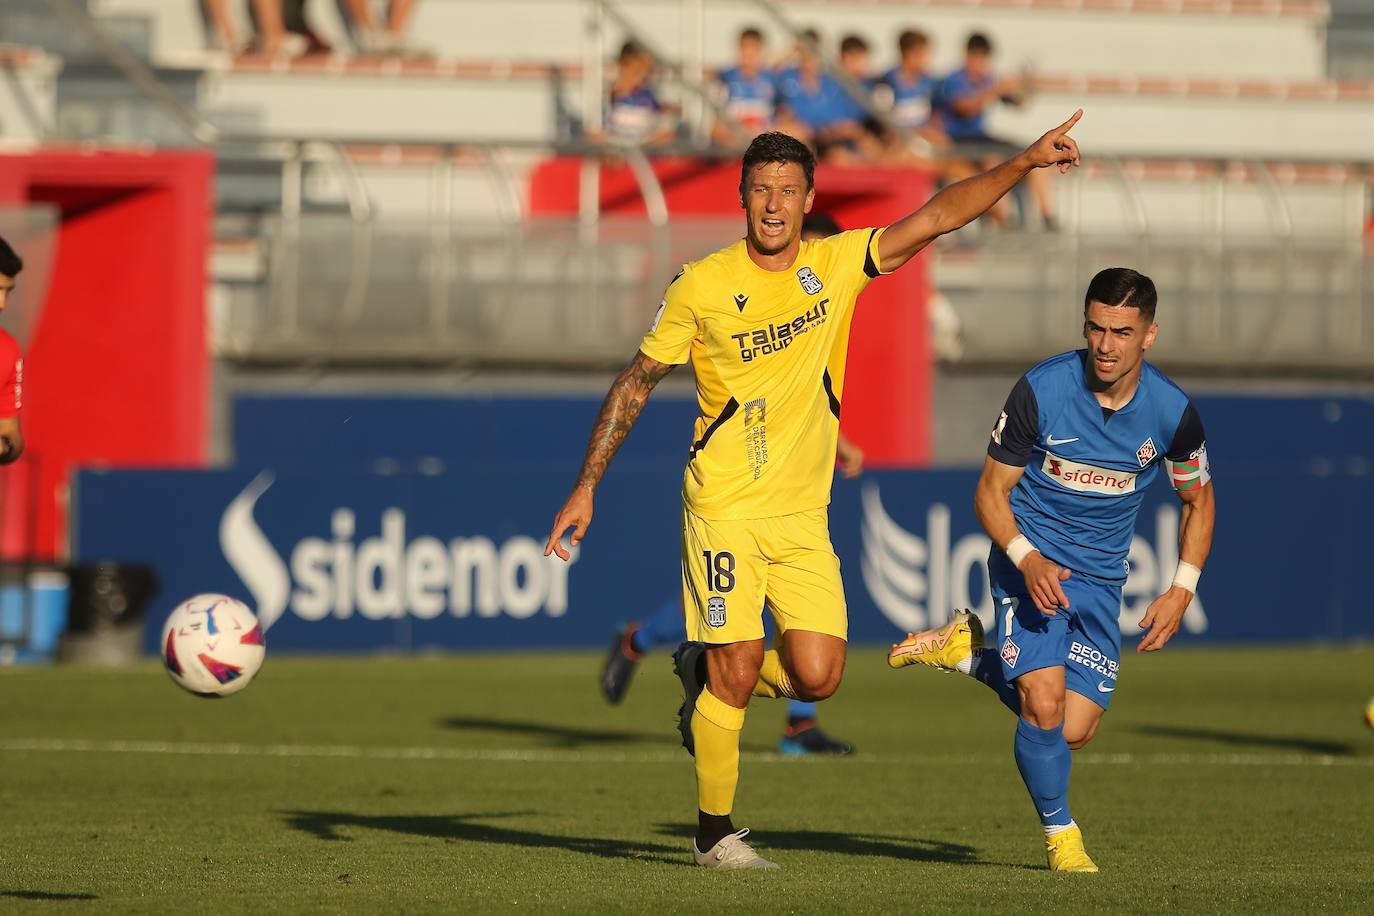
<point x="750" y="100"/>
<point x="913" y="98"/>
<point x="817" y="107"/>
<point x="1087" y="467"/>
<point x="634" y="115"/>
<point x="956" y="86"/>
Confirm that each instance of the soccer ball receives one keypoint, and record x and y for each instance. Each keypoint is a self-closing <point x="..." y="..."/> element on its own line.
<point x="212" y="645"/>
<point x="1369" y="713"/>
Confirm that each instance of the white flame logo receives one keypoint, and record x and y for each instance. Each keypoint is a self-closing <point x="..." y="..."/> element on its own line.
<point x="251" y="555"/>
<point x="892" y="562"/>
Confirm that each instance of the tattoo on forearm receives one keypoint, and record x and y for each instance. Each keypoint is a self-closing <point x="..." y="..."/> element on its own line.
<point x="619" y="411"/>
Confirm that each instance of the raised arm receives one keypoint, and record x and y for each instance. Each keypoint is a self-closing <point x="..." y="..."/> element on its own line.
<point x="619" y="411"/>
<point x="963" y="202"/>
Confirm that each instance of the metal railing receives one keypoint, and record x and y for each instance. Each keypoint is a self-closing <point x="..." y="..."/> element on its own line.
<point x="313" y="305"/>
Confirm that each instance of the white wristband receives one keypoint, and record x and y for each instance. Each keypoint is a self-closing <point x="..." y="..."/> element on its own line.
<point x="1019" y="548"/>
<point x="1187" y="577"/>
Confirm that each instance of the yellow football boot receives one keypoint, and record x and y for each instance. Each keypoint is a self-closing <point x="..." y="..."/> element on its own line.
<point x="1065" y="852"/>
<point x="943" y="647"/>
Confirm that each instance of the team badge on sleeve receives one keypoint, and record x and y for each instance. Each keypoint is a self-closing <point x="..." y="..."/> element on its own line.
<point x="999" y="428"/>
<point x="1194" y="473"/>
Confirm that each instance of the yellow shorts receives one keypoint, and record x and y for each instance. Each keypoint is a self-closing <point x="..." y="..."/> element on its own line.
<point x="731" y="568"/>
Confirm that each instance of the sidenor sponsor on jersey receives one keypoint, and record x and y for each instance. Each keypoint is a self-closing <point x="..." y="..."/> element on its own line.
<point x="1088" y="479"/>
<point x="776" y="337"/>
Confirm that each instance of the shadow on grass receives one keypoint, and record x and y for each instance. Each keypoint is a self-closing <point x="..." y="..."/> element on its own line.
<point x="331" y="825"/>
<point x="46" y="895"/>
<point x="557" y="734"/>
<point x="1248" y="739"/>
<point x="855" y="844"/>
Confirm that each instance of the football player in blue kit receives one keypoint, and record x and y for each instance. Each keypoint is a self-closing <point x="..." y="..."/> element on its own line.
<point x="1080" y="438"/>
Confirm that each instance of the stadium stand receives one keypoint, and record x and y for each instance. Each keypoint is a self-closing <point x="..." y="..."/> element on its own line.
<point x="1234" y="176"/>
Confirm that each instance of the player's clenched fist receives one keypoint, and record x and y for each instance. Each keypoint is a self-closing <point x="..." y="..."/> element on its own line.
<point x="1042" y="580"/>
<point x="575" y="514"/>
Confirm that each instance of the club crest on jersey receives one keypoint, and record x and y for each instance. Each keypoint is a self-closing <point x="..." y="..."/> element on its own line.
<point x="1010" y="652"/>
<point x="1146" y="453"/>
<point x="715" y="611"/>
<point x="810" y="283"/>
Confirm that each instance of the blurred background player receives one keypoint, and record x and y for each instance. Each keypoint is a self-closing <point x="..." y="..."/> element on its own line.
<point x="817" y="106"/>
<point x="11" y="364"/>
<point x="668" y="625"/>
<point x="964" y="99"/>
<point x="1081" y="437"/>
<point x="370" y="36"/>
<point x="634" y="113"/>
<point x="749" y="88"/>
<point x="908" y="89"/>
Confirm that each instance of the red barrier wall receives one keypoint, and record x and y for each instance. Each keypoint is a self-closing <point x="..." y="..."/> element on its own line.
<point x="117" y="370"/>
<point x="887" y="394"/>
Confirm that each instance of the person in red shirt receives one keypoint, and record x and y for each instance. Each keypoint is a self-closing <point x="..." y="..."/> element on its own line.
<point x="11" y="364"/>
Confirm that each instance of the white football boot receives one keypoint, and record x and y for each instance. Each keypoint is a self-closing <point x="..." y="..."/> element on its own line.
<point x="731" y="852"/>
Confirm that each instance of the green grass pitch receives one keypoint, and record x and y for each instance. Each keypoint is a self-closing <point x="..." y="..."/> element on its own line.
<point x="1235" y="780"/>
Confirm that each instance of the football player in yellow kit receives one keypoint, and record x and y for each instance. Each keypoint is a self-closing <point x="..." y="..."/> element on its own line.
<point x="766" y="324"/>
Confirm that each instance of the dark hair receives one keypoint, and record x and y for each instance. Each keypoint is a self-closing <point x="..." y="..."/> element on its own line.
<point x="979" y="43"/>
<point x="851" y="43"/>
<point x="751" y="33"/>
<point x="631" y="49"/>
<point x="820" y="224"/>
<point x="912" y="40"/>
<point x="1125" y="287"/>
<point x="810" y="35"/>
<point x="11" y="263"/>
<point x="776" y="146"/>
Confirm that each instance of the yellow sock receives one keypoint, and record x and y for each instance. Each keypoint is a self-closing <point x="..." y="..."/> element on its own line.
<point x="715" y="730"/>
<point x="773" y="679"/>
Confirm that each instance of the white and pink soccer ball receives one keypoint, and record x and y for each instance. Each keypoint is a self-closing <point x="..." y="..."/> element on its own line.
<point x="212" y="645"/>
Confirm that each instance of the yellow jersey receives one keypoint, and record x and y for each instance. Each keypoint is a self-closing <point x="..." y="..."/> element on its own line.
<point x="768" y="348"/>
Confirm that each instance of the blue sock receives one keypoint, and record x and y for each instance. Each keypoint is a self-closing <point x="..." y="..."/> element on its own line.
<point x="1043" y="757"/>
<point x="987" y="669"/>
<point x="796" y="709"/>
<point x="667" y="625"/>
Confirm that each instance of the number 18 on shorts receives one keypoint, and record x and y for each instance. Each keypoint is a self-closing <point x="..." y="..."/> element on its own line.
<point x="730" y="568"/>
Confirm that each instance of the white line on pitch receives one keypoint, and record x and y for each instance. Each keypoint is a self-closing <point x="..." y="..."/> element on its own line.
<point x="502" y="755"/>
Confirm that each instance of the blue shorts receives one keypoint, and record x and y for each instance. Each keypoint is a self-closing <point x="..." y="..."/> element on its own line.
<point x="1085" y="639"/>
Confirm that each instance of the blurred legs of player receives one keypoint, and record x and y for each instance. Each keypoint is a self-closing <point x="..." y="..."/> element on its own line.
<point x="667" y="626"/>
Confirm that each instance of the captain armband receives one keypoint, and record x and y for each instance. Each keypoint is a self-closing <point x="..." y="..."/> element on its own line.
<point x="1193" y="472"/>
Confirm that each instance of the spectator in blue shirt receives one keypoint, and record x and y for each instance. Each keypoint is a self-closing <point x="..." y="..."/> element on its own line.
<point x="823" y="112"/>
<point x="965" y="97"/>
<point x="634" y="113"/>
<point x="749" y="89"/>
<point x="908" y="90"/>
